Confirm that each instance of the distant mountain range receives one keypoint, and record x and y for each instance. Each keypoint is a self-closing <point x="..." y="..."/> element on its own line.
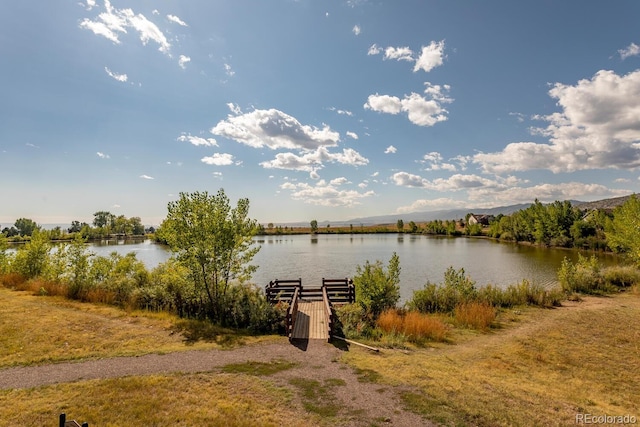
<point x="448" y="214"/>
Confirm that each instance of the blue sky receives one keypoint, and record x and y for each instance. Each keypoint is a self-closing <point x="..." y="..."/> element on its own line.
<point x="325" y="110"/>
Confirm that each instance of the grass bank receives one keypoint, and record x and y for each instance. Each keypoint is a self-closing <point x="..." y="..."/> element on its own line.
<point x="37" y="330"/>
<point x="538" y="367"/>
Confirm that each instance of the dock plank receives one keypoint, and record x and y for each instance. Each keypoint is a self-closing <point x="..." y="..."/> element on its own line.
<point x="311" y="322"/>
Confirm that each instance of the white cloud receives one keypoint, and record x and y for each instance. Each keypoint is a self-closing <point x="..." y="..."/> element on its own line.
<point x="631" y="50"/>
<point x="421" y="110"/>
<point x="218" y="159"/>
<point x="103" y="155"/>
<point x="455" y="182"/>
<point x="519" y="116"/>
<point x="390" y="150"/>
<point x="235" y="108"/>
<point x="326" y="194"/>
<point x="352" y="135"/>
<point x="146" y="177"/>
<point x="176" y="20"/>
<point x="312" y="161"/>
<point x="374" y="50"/>
<point x="431" y="204"/>
<point x="341" y="112"/>
<point x="183" y="61"/>
<point x="597" y="128"/>
<point x="217" y="175"/>
<point x="119" y="77"/>
<point x="196" y="140"/>
<point x="113" y="22"/>
<point x="91" y="4"/>
<point x="430" y="57"/>
<point x="228" y="70"/>
<point x="274" y="129"/>
<point x="398" y="53"/>
<point x="356" y="30"/>
<point x="435" y="162"/>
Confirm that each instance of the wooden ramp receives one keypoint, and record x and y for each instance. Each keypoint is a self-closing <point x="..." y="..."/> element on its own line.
<point x="311" y="321"/>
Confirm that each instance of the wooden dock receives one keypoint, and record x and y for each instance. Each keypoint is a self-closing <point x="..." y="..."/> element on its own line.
<point x="310" y="314"/>
<point x="310" y="321"/>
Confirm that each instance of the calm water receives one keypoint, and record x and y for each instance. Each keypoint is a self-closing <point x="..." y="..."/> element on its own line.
<point x="422" y="258"/>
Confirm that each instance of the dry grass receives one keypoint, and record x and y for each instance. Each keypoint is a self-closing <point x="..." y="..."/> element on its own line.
<point x="36" y="330"/>
<point x="210" y="399"/>
<point x="542" y="369"/>
<point x="475" y="315"/>
<point x="417" y="327"/>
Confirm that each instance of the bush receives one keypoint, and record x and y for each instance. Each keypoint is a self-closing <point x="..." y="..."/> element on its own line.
<point x="583" y="277"/>
<point x="377" y="289"/>
<point x="622" y="276"/>
<point x="349" y="321"/>
<point x="475" y="315"/>
<point x="457" y="288"/>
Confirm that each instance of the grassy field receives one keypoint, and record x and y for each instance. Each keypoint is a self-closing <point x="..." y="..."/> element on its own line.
<point x="539" y="367"/>
<point x="536" y="367"/>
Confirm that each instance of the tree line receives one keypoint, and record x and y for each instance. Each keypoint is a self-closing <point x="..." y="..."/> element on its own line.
<point x="104" y="225"/>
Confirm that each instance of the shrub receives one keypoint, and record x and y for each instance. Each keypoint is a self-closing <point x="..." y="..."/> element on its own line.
<point x="457" y="288"/>
<point x="621" y="275"/>
<point x="377" y="289"/>
<point x="475" y="315"/>
<point x="583" y="277"/>
<point x="349" y="321"/>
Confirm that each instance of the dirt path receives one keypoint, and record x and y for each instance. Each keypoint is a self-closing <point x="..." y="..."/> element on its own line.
<point x="363" y="403"/>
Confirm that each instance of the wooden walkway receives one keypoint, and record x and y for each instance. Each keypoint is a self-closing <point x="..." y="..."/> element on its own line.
<point x="311" y="309"/>
<point x="310" y="321"/>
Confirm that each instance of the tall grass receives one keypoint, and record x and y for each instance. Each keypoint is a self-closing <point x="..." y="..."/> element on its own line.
<point x="475" y="315"/>
<point x="416" y="327"/>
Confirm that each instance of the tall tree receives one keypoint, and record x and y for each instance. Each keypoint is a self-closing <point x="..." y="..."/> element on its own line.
<point x="400" y="226"/>
<point x="103" y="219"/>
<point x="314" y="226"/>
<point x="26" y="226"/>
<point x="213" y="241"/>
<point x="623" y="234"/>
<point x="378" y="289"/>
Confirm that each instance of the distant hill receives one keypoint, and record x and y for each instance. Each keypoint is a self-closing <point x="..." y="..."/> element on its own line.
<point x="602" y="204"/>
<point x="455" y="214"/>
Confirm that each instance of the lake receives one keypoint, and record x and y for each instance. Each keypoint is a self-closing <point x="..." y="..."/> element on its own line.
<point x="422" y="258"/>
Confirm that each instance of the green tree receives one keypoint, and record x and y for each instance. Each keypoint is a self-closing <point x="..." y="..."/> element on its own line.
<point x="32" y="259"/>
<point x="413" y="227"/>
<point x="623" y="233"/>
<point x="103" y="219"/>
<point x="214" y="242"/>
<point x="378" y="289"/>
<point x="400" y="226"/>
<point x="314" y="226"/>
<point x="26" y="226"/>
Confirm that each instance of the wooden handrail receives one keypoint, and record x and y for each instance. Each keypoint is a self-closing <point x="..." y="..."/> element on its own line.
<point x="327" y="311"/>
<point x="292" y="312"/>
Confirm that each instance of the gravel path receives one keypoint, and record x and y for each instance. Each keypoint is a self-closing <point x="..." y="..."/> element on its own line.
<point x="366" y="403"/>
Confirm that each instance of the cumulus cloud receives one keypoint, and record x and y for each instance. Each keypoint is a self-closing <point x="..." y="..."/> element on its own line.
<point x="597" y="128"/>
<point x="119" y="77"/>
<point x="398" y="53"/>
<point x="435" y="162"/>
<point x="183" y="61"/>
<point x="114" y="22"/>
<point x="312" y="161"/>
<point x="146" y="177"/>
<point x="196" y="140"/>
<point x="356" y="30"/>
<point x="390" y="150"/>
<point x="631" y="50"/>
<point x="326" y="193"/>
<point x="430" y="57"/>
<point x="176" y="20"/>
<point x="218" y="159"/>
<point x="352" y="135"/>
<point x="103" y="155"/>
<point x="421" y="110"/>
<point x="274" y="129"/>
